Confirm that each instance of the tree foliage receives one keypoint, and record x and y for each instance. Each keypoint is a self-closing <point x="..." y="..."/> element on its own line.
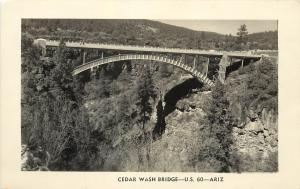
<point x="262" y="87"/>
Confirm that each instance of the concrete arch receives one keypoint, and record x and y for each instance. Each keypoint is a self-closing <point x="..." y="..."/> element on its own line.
<point x="95" y="63"/>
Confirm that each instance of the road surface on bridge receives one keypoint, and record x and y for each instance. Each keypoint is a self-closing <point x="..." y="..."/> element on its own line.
<point x="143" y="49"/>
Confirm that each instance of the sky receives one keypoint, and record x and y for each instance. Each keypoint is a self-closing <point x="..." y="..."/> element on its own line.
<point x="225" y="26"/>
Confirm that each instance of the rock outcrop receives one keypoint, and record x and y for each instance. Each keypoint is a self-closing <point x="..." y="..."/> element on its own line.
<point x="256" y="141"/>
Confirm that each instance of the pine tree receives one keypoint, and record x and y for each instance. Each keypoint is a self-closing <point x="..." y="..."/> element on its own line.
<point x="145" y="92"/>
<point x="242" y="35"/>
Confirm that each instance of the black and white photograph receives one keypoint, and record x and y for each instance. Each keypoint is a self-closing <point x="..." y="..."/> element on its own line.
<point x="148" y="95"/>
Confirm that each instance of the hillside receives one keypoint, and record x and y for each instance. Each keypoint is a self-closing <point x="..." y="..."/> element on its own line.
<point x="140" y="32"/>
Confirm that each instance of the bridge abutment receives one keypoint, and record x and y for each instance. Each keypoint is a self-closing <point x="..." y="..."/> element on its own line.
<point x="42" y="44"/>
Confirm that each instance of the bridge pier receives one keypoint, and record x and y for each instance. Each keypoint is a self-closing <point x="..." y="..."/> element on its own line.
<point x="194" y="62"/>
<point x="242" y="63"/>
<point x="222" y="68"/>
<point x="83" y="58"/>
<point x="206" y="66"/>
<point x="99" y="54"/>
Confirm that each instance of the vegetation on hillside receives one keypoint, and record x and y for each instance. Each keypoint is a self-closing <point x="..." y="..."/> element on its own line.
<point x="259" y="87"/>
<point x="52" y="116"/>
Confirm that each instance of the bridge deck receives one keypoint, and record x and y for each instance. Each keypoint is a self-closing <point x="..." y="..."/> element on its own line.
<point x="153" y="49"/>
